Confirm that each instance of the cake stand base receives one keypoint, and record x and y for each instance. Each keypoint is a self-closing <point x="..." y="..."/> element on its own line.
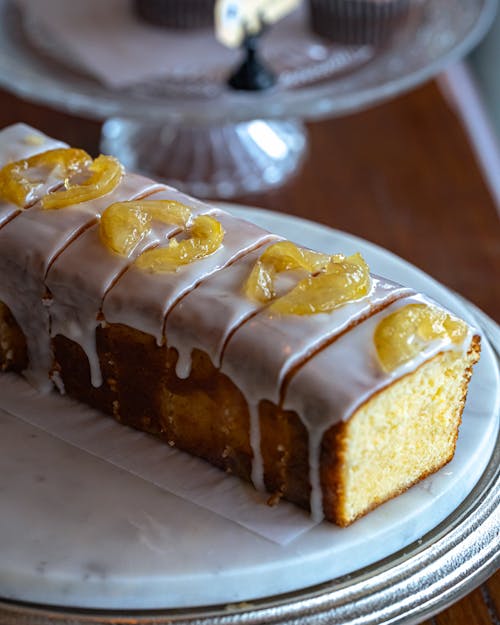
<point x="224" y="161"/>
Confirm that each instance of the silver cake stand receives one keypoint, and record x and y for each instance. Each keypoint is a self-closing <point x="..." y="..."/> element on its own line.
<point x="195" y="133"/>
<point x="408" y="587"/>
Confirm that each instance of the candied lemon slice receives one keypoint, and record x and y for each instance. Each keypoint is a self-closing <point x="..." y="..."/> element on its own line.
<point x="332" y="280"/>
<point x="124" y="225"/>
<point x="403" y="334"/>
<point x="105" y="174"/>
<point x="168" y="211"/>
<point x="260" y="283"/>
<point x="20" y="180"/>
<point x="279" y="257"/>
<point x="342" y="280"/>
<point x="206" y="236"/>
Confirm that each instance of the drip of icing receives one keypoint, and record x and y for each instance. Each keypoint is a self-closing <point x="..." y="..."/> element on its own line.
<point x="82" y="275"/>
<point x="257" y="460"/>
<point x="206" y="316"/>
<point x="339" y="379"/>
<point x="183" y="365"/>
<point x="142" y="299"/>
<point x="43" y="235"/>
<point x="58" y="382"/>
<point x="316" y="498"/>
<point x="74" y="318"/>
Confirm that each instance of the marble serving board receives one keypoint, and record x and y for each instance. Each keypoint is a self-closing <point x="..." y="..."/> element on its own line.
<point x="78" y="531"/>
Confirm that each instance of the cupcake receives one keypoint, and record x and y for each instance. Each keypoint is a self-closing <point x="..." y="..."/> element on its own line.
<point x="357" y="22"/>
<point x="182" y="14"/>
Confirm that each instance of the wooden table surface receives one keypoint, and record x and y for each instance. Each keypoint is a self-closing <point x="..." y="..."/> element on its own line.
<point x="402" y="175"/>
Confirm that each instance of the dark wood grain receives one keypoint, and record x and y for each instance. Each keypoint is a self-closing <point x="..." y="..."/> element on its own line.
<point x="472" y="610"/>
<point x="402" y="175"/>
<point x="492" y="595"/>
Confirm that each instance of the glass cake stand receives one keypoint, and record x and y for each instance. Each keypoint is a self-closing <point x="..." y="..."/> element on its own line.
<point x="194" y="132"/>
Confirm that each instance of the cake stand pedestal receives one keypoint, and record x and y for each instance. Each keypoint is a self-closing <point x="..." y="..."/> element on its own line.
<point x="224" y="160"/>
<point x="192" y="131"/>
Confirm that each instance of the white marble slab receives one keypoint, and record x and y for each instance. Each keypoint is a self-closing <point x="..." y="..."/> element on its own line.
<point x="140" y="454"/>
<point x="78" y="531"/>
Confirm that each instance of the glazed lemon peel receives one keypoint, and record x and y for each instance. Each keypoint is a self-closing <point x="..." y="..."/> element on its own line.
<point x="204" y="237"/>
<point x="106" y="173"/>
<point x="21" y="180"/>
<point x="331" y="280"/>
<point x="403" y="334"/>
<point x="124" y="225"/>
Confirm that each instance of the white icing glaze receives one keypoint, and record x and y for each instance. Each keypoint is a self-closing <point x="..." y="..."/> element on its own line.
<point x="21" y="141"/>
<point x="259" y="367"/>
<point x="197" y="206"/>
<point x="42" y="235"/>
<point x="255" y="444"/>
<point x="142" y="299"/>
<point x="206" y="316"/>
<point x="330" y="387"/>
<point x="7" y="212"/>
<point x="82" y="275"/>
<point x="58" y="382"/>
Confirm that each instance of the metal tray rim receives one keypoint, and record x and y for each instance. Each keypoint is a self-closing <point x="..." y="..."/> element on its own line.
<point x="415" y="583"/>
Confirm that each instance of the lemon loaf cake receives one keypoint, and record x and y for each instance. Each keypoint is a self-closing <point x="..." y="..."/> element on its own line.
<point x="296" y="370"/>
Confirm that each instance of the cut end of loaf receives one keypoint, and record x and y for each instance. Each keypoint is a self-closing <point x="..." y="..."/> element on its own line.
<point x="400" y="436"/>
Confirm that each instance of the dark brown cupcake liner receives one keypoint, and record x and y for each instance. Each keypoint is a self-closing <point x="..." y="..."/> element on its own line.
<point x="357" y="22"/>
<point x="176" y="13"/>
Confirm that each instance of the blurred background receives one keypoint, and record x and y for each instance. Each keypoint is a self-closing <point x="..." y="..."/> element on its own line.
<point x="383" y="122"/>
<point x="222" y="114"/>
<point x="484" y="62"/>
